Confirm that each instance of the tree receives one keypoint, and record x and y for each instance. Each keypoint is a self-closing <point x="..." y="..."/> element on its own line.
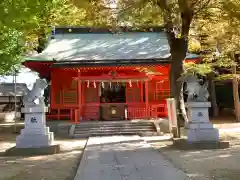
<point x="25" y="25"/>
<point x="14" y="20"/>
<point x="10" y="39"/>
<point x="178" y="16"/>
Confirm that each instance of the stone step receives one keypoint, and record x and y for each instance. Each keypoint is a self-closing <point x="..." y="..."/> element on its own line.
<point x="81" y="135"/>
<point x="115" y="127"/>
<point x="113" y="131"/>
<point x="111" y="124"/>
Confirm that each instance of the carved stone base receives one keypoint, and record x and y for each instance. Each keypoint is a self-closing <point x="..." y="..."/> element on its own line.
<point x="198" y="135"/>
<point x="35" y="133"/>
<point x="199" y="127"/>
<point x="34" y="140"/>
<point x="184" y="144"/>
<point x="45" y="150"/>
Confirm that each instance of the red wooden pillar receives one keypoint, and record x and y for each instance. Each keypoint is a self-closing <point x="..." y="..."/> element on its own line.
<point x="62" y="96"/>
<point x="53" y="89"/>
<point x="147" y="98"/>
<point x="79" y="114"/>
<point x="141" y="91"/>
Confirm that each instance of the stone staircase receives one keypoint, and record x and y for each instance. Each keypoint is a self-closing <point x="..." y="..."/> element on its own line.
<point x="108" y="128"/>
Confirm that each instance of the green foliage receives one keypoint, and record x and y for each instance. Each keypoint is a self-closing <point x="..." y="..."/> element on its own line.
<point x="194" y="46"/>
<point x="139" y="13"/>
<point x="201" y="69"/>
<point x="25" y="25"/>
<point x="217" y="29"/>
<point x="10" y="49"/>
<point x="11" y="17"/>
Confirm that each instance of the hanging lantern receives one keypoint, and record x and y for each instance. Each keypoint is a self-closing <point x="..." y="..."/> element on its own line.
<point x="102" y="85"/>
<point x="94" y="84"/>
<point x="100" y="89"/>
<point x="88" y="84"/>
<point x="130" y="83"/>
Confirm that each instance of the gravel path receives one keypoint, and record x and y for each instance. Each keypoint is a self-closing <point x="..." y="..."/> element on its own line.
<point x="61" y="166"/>
<point x="222" y="164"/>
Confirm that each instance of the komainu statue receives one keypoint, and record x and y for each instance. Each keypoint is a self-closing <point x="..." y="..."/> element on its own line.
<point x="35" y="94"/>
<point x="197" y="90"/>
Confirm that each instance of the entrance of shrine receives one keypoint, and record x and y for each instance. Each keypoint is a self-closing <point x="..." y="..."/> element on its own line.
<point x="112" y="101"/>
<point x="113" y="92"/>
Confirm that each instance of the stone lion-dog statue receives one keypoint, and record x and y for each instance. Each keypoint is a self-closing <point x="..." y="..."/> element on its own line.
<point x="36" y="94"/>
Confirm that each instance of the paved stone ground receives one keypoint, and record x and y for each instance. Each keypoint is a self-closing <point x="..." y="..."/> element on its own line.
<point x="125" y="158"/>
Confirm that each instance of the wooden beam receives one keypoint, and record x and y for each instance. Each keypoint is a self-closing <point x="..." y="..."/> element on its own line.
<point x="79" y="95"/>
<point x="53" y="89"/>
<point x="106" y="77"/>
<point x="141" y="91"/>
<point x="146" y="97"/>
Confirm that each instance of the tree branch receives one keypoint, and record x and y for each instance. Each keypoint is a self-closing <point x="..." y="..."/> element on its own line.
<point x="186" y="16"/>
<point x="167" y="14"/>
<point x="202" y="7"/>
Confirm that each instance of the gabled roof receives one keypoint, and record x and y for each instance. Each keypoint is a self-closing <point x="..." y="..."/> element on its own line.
<point x="87" y="44"/>
<point x="8" y="89"/>
<point x="105" y="46"/>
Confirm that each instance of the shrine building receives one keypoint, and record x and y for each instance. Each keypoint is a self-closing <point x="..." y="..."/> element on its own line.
<point x="97" y="74"/>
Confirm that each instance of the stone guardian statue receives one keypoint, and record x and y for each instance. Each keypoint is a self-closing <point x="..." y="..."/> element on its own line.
<point x="36" y="94"/>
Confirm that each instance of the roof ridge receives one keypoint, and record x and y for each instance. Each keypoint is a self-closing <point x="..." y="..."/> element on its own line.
<point x="83" y="29"/>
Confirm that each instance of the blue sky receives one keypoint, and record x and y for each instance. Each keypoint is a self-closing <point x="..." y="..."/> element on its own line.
<point x="25" y="76"/>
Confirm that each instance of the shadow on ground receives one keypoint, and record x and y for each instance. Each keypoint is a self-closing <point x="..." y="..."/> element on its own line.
<point x="60" y="166"/>
<point x="218" y="164"/>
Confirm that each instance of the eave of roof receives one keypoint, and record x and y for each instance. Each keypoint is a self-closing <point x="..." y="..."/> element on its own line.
<point x="125" y="62"/>
<point x="99" y="30"/>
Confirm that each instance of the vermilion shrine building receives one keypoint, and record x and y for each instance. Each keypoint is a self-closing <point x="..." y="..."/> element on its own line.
<point x="96" y="74"/>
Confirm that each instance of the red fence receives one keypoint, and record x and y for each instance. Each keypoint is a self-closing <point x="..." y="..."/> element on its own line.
<point x="92" y="112"/>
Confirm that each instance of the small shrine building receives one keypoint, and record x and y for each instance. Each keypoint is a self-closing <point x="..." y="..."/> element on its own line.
<point x="97" y="74"/>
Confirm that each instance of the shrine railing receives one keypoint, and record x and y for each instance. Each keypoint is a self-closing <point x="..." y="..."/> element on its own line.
<point x="91" y="111"/>
<point x="143" y="112"/>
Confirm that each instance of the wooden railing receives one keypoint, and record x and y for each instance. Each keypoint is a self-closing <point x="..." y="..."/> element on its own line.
<point x="91" y="112"/>
<point x="159" y="110"/>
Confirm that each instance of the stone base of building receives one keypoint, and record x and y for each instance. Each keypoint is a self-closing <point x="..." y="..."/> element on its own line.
<point x="47" y="150"/>
<point x="184" y="144"/>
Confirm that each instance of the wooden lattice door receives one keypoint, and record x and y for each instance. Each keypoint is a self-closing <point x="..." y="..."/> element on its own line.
<point x="162" y="92"/>
<point x="133" y="92"/>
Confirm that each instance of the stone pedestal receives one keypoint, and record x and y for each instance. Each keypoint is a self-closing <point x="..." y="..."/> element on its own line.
<point x="199" y="127"/>
<point x="35" y="133"/>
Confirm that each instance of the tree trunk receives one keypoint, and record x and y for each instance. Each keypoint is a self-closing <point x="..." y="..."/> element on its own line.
<point x="213" y="98"/>
<point x="178" y="50"/>
<point x="235" y="93"/>
<point x="41" y="39"/>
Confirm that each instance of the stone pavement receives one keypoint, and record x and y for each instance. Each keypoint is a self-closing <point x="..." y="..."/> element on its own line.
<point x="125" y="158"/>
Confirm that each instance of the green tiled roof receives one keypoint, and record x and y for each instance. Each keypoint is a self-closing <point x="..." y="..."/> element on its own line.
<point x="94" y="46"/>
<point x="106" y="46"/>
